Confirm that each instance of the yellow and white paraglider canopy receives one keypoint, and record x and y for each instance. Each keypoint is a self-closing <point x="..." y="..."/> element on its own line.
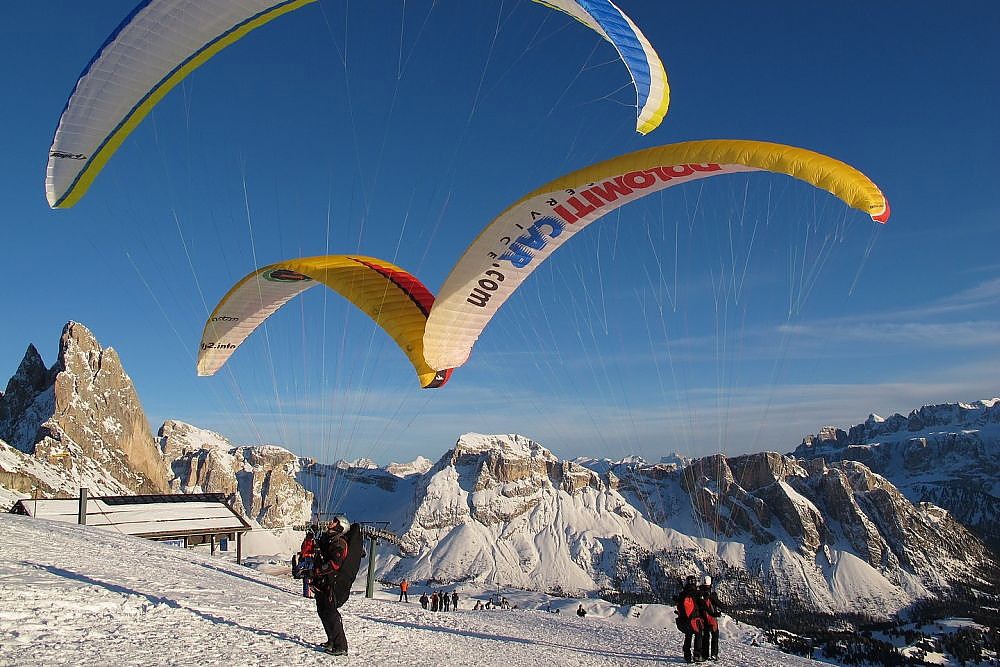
<point x="528" y="232"/>
<point x="392" y="297"/>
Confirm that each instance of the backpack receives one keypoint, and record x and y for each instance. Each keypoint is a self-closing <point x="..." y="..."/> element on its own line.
<point x="349" y="568"/>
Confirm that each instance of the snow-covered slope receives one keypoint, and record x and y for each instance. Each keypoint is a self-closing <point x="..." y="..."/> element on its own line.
<point x="505" y="509"/>
<point x="75" y="595"/>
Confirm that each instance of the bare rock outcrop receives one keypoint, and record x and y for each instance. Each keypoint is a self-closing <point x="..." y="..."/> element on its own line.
<point x="83" y="417"/>
<point x="946" y="454"/>
<point x="260" y="482"/>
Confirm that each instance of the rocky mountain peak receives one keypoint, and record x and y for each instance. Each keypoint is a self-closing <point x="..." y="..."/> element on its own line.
<point x="511" y="446"/>
<point x="947" y="454"/>
<point x="363" y="463"/>
<point x="83" y="416"/>
<point x="31" y="374"/>
<point x="259" y="482"/>
<point x="18" y="421"/>
<point x="417" y="466"/>
<point x="177" y="438"/>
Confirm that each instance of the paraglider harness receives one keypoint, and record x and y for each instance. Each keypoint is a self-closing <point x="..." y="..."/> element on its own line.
<point x="334" y="573"/>
<point x="687" y="621"/>
<point x="709" y="607"/>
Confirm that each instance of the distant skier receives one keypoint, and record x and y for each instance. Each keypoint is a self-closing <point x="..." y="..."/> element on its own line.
<point x="330" y="557"/>
<point x="404" y="587"/>
<point x="581" y="612"/>
<point x="445" y="600"/>
<point x="435" y="601"/>
<point x="710" y="609"/>
<point x="689" y="620"/>
<point x="424" y="600"/>
<point x="454" y="600"/>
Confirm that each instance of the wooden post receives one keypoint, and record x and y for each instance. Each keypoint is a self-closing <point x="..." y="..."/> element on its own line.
<point x="82" y="514"/>
<point x="370" y="586"/>
<point x="213" y="544"/>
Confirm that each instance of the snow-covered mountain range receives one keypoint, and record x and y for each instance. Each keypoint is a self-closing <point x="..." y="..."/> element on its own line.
<point x="838" y="527"/>
<point x="947" y="454"/>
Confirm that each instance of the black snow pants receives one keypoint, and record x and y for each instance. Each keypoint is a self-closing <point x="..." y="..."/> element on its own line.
<point x="711" y="643"/>
<point x="698" y="639"/>
<point x="333" y="623"/>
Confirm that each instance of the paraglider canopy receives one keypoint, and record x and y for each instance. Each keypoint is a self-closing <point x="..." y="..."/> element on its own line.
<point x="521" y="238"/>
<point x="162" y="41"/>
<point x="392" y="297"/>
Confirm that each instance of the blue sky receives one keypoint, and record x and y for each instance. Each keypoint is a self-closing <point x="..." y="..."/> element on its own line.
<point x="360" y="127"/>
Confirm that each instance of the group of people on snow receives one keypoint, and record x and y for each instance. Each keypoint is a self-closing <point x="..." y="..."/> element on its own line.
<point x="440" y="601"/>
<point x="698" y="611"/>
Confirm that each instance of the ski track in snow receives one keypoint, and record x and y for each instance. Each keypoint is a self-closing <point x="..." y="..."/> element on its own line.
<point x="74" y="595"/>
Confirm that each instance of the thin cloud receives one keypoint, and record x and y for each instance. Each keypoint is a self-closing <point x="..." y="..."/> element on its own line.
<point x="981" y="296"/>
<point x="980" y="333"/>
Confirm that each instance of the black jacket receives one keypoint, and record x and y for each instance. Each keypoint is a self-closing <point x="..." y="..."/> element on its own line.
<point x="328" y="561"/>
<point x="708" y="602"/>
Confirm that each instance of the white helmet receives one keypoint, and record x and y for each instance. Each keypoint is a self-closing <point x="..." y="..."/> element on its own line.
<point x="341" y="519"/>
<point x="707" y="581"/>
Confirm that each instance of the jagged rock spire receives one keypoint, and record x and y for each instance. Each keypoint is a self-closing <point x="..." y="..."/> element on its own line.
<point x="83" y="416"/>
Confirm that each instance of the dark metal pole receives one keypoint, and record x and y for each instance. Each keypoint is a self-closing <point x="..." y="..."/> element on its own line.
<point x="82" y="515"/>
<point x="239" y="548"/>
<point x="370" y="586"/>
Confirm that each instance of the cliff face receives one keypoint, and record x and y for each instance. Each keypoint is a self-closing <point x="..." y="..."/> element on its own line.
<point x="947" y="454"/>
<point x="834" y="538"/>
<point x="82" y="417"/>
<point x="80" y="424"/>
<point x="258" y="481"/>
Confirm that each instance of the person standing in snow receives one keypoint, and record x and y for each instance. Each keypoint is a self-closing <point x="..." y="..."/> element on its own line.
<point x="445" y="600"/>
<point x="689" y="620"/>
<point x="305" y="563"/>
<point x="330" y="557"/>
<point x="581" y="612"/>
<point x="404" y="587"/>
<point x="424" y="600"/>
<point x="710" y="610"/>
<point x="454" y="600"/>
<point x="435" y="601"/>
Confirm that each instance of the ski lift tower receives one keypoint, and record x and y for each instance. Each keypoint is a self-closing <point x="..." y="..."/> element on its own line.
<point x="374" y="531"/>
